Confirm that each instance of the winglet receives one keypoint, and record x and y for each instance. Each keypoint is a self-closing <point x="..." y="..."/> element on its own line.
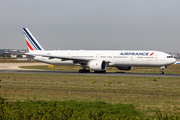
<point x="31" y="41"/>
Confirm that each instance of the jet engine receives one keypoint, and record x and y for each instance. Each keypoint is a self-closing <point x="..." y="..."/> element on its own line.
<point x="124" y="67"/>
<point x="97" y="65"/>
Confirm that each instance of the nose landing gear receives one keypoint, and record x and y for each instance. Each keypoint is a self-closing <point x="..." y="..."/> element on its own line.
<point x="162" y="68"/>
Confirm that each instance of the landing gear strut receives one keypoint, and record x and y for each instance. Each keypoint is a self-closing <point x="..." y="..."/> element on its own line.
<point x="162" y="68"/>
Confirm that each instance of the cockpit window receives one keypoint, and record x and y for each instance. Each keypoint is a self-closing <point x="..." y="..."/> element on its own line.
<point x="169" y="56"/>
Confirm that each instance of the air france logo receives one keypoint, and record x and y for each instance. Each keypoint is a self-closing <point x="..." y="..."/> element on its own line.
<point x="137" y="53"/>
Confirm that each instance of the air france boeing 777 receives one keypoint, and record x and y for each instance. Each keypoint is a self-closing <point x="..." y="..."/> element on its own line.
<point x="98" y="60"/>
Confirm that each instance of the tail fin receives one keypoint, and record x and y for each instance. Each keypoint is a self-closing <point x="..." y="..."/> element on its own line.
<point x="31" y="41"/>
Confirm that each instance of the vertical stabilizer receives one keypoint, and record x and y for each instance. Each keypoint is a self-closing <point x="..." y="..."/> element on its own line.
<point x="31" y="41"/>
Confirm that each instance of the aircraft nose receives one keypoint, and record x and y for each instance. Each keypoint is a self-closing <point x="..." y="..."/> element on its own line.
<point x="174" y="60"/>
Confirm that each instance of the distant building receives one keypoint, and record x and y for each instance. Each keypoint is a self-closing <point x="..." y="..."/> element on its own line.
<point x="13" y="50"/>
<point x="24" y="56"/>
<point x="14" y="56"/>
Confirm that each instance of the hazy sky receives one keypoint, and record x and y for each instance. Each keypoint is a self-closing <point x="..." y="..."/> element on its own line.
<point x="92" y="24"/>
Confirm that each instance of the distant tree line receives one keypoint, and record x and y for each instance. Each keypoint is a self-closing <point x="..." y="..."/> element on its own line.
<point x="8" y="55"/>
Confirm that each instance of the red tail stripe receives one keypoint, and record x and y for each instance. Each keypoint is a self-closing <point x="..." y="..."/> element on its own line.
<point x="151" y="54"/>
<point x="29" y="45"/>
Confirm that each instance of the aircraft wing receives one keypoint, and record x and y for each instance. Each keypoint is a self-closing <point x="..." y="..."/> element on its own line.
<point x="66" y="58"/>
<point x="60" y="57"/>
<point x="63" y="57"/>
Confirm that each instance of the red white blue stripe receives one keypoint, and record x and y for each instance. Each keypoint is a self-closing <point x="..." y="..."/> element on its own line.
<point x="31" y="41"/>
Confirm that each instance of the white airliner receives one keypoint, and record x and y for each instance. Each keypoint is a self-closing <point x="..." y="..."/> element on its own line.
<point x="98" y="60"/>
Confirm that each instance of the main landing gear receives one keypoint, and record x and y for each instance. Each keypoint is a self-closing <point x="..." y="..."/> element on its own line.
<point x="104" y="71"/>
<point x="84" y="70"/>
<point x="162" y="68"/>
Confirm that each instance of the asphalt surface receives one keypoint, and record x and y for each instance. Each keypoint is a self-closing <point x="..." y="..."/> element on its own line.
<point x="92" y="73"/>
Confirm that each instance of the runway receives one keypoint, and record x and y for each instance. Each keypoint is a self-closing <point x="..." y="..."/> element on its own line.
<point x="92" y="73"/>
<point x="13" y="68"/>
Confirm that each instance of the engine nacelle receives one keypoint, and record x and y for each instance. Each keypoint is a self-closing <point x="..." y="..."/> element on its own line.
<point x="97" y="65"/>
<point x="124" y="67"/>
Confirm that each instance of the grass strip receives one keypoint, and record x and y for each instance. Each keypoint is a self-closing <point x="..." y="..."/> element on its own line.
<point x="144" y="93"/>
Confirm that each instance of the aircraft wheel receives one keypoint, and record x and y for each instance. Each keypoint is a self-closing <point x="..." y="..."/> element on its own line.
<point x="100" y="71"/>
<point x="84" y="71"/>
<point x="80" y="71"/>
<point x="161" y="72"/>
